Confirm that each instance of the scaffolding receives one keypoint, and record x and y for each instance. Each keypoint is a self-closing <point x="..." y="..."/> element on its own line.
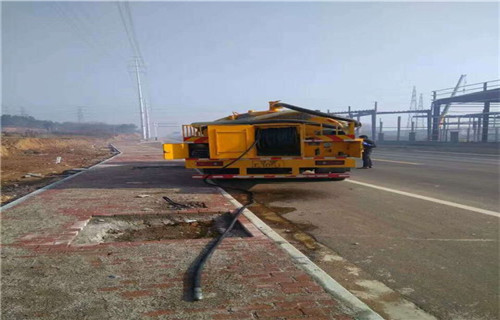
<point x="471" y="116"/>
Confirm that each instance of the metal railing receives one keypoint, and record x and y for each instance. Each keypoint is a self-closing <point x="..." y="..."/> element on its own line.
<point x="468" y="88"/>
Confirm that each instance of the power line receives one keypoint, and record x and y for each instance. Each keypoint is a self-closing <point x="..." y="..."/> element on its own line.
<point x="128" y="23"/>
<point x="77" y="25"/>
<point x="132" y="29"/>
<point x="95" y="37"/>
<point x="64" y="16"/>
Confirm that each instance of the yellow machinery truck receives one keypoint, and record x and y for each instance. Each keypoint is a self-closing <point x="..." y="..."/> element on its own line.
<point x="297" y="143"/>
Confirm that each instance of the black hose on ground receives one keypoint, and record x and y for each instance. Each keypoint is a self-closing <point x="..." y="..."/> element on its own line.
<point x="175" y="204"/>
<point x="197" y="292"/>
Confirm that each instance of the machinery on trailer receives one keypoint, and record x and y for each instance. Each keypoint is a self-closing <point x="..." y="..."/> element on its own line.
<point x="277" y="143"/>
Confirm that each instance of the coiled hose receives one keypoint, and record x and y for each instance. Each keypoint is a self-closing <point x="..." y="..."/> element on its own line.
<point x="197" y="292"/>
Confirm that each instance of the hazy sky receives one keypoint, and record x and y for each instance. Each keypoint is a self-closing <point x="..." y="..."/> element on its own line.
<point x="208" y="59"/>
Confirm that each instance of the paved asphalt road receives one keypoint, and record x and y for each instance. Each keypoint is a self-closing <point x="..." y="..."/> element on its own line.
<point x="443" y="258"/>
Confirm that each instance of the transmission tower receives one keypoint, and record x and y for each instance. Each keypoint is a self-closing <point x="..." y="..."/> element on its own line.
<point x="79" y="114"/>
<point x="419" y="121"/>
<point x="413" y="106"/>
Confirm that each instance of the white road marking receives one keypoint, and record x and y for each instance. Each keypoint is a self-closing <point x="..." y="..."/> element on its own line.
<point x="464" y="153"/>
<point x="436" y="157"/>
<point x="417" y="196"/>
<point x="403" y="162"/>
<point x="457" y="240"/>
<point x="410" y="238"/>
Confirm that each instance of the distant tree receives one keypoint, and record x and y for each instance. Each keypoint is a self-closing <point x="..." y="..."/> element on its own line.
<point x="88" y="128"/>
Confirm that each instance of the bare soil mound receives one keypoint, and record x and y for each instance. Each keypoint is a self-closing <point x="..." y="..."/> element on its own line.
<point x="31" y="162"/>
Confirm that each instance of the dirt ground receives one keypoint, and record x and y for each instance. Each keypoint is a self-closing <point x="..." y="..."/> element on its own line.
<point x="29" y="163"/>
<point x="157" y="227"/>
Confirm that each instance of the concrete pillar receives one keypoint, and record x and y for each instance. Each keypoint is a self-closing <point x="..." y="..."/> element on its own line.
<point x="412" y="136"/>
<point x="429" y="125"/>
<point x="468" y="132"/>
<point x="399" y="128"/>
<point x="478" y="129"/>
<point x="486" y="120"/>
<point x="445" y="130"/>
<point x="374" y="121"/>
<point x="474" y="131"/>
<point x="436" y="111"/>
<point x="381" y="134"/>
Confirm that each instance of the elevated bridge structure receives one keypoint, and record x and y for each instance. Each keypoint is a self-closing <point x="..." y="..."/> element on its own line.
<point x="465" y="113"/>
<point x="483" y="94"/>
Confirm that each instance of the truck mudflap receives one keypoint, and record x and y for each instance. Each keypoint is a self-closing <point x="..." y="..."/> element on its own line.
<point x="273" y="176"/>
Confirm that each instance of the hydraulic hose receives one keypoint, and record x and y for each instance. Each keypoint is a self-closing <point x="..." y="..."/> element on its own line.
<point x="317" y="113"/>
<point x="197" y="291"/>
<point x="175" y="204"/>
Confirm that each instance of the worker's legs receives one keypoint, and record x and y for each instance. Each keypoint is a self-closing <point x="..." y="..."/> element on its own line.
<point x="366" y="159"/>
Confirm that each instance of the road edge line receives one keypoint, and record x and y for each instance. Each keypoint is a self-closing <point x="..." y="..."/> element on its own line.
<point x="402" y="162"/>
<point x="361" y="310"/>
<point x="58" y="182"/>
<point x="430" y="199"/>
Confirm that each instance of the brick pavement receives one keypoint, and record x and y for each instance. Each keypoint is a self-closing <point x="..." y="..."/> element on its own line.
<point x="45" y="275"/>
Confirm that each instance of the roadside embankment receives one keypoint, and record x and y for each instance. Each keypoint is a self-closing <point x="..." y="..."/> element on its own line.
<point x="29" y="163"/>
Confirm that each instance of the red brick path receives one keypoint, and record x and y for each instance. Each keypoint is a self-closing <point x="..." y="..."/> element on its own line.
<point x="46" y="276"/>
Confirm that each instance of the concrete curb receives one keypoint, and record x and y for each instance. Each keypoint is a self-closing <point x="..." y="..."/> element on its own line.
<point x="52" y="185"/>
<point x="359" y="309"/>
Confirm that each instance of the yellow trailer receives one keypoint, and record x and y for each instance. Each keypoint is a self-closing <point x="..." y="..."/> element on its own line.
<point x="277" y="143"/>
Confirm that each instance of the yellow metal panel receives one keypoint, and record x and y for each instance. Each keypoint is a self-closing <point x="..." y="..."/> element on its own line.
<point x="175" y="151"/>
<point x="351" y="148"/>
<point x="230" y="141"/>
<point x="355" y="148"/>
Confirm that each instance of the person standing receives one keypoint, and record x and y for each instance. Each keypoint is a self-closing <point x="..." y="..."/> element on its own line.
<point x="368" y="145"/>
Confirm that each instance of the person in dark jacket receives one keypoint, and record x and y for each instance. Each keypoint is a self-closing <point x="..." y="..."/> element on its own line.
<point x="368" y="145"/>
